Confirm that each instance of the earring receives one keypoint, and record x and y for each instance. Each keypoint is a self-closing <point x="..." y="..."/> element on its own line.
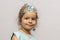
<point x="34" y="29"/>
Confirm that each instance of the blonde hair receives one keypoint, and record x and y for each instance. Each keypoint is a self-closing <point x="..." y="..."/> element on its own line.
<point x="25" y="8"/>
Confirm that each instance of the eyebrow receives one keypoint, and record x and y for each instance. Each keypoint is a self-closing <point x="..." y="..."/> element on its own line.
<point x="30" y="17"/>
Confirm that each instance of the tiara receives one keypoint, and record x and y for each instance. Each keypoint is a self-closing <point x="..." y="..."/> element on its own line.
<point x="29" y="8"/>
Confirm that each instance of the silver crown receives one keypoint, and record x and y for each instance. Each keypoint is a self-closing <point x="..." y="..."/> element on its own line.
<point x="29" y="8"/>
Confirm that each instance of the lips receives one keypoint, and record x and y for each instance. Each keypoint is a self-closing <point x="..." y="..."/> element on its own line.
<point x="30" y="25"/>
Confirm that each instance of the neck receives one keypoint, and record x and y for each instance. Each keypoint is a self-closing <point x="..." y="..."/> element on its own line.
<point x="25" y="30"/>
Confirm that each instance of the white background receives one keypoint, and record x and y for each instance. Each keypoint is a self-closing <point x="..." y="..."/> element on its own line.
<point x="48" y="27"/>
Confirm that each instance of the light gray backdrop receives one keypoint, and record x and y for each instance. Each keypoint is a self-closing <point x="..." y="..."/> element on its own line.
<point x="48" y="27"/>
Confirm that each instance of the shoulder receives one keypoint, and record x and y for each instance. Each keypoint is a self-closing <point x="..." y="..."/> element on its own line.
<point x="34" y="37"/>
<point x="15" y="35"/>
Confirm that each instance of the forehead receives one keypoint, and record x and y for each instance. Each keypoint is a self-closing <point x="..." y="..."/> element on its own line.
<point x="30" y="14"/>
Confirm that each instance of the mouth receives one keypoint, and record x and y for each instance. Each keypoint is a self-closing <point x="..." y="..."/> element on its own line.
<point x="30" y="25"/>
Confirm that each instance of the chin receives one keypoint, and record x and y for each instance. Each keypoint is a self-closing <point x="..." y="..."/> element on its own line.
<point x="29" y="27"/>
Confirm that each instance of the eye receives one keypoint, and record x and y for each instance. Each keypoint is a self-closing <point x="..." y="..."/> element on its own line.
<point x="33" y="18"/>
<point x="26" y="18"/>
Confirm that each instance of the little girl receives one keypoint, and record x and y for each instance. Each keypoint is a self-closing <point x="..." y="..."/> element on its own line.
<point x="27" y="19"/>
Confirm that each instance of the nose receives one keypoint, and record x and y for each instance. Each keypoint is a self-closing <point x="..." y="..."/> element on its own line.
<point x="30" y="21"/>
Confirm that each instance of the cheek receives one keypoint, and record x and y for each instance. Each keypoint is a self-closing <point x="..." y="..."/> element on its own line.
<point x="24" y="21"/>
<point x="34" y="22"/>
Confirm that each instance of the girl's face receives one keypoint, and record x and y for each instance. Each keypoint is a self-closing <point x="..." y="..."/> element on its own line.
<point x="29" y="20"/>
